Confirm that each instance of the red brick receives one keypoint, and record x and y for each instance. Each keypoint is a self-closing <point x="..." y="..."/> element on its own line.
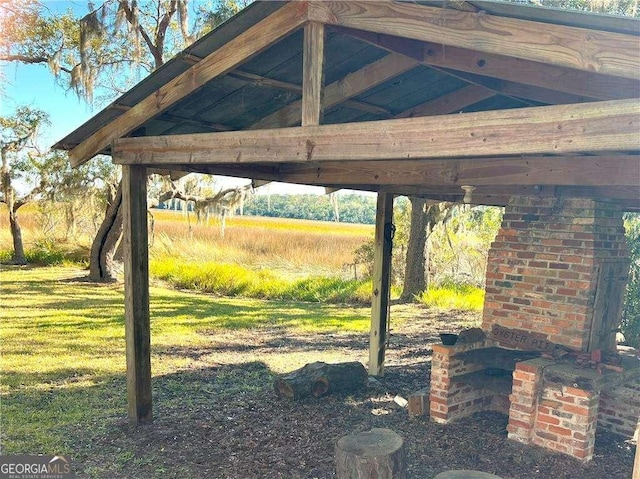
<point x="582" y="453"/>
<point x="546" y="435"/>
<point x="583" y="411"/>
<point x="438" y="415"/>
<point x="577" y="392"/>
<point x="548" y="419"/>
<point x="562" y="431"/>
<point x="524" y="425"/>
<point x="526" y="367"/>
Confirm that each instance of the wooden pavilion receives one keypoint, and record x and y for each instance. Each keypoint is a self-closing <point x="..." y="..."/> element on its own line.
<point x="401" y="98"/>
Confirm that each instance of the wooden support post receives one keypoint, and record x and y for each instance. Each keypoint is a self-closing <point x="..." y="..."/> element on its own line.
<point x="381" y="283"/>
<point x="136" y="293"/>
<point x="312" y="73"/>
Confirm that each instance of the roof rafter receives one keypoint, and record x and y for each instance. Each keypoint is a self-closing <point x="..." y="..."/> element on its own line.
<point x="449" y="103"/>
<point x="252" y="41"/>
<point x="571" y="47"/>
<point x="344" y="89"/>
<point x="559" y="129"/>
<point x="576" y="82"/>
<point x="292" y="87"/>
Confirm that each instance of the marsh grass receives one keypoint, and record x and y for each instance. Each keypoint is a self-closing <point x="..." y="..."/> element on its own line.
<point x="450" y="296"/>
<point x="265" y="258"/>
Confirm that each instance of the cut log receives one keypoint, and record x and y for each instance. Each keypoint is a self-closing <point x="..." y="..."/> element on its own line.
<point x="419" y="403"/>
<point x="377" y="453"/>
<point x="320" y="379"/>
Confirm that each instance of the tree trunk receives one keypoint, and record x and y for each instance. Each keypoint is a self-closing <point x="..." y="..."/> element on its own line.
<point x="376" y="453"/>
<point x="320" y="379"/>
<point x="101" y="262"/>
<point x="16" y="233"/>
<point x="9" y="196"/>
<point x="414" y="273"/>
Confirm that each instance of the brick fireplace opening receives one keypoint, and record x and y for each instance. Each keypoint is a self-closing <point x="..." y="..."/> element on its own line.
<point x="556" y="277"/>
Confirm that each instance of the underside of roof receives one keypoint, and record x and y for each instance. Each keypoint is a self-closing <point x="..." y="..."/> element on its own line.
<point x="389" y="69"/>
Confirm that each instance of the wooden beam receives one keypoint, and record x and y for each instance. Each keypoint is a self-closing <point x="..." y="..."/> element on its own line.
<point x="381" y="283"/>
<point x="342" y="90"/>
<point x="542" y="95"/>
<point x="491" y="194"/>
<point x="136" y="293"/>
<point x="312" y="73"/>
<point x="449" y="103"/>
<point x="609" y="53"/>
<point x="518" y="91"/>
<point x="292" y="87"/>
<point x="621" y="170"/>
<point x="560" y="129"/>
<point x="261" y="80"/>
<point x="583" y="83"/>
<point x="233" y="53"/>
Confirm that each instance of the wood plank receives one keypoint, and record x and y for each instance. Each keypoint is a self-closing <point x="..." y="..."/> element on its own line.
<point x="609" y="53"/>
<point x="559" y="129"/>
<point x="338" y="92"/>
<point x="136" y="294"/>
<point x="381" y="284"/>
<point x="312" y="73"/>
<point x="585" y="83"/>
<point x="233" y="53"/>
<point x="620" y="170"/>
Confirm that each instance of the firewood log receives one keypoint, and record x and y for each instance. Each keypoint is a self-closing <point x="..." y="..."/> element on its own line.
<point x="320" y="379"/>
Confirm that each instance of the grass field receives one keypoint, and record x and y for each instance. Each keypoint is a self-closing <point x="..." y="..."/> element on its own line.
<point x="63" y="352"/>
<point x="264" y="258"/>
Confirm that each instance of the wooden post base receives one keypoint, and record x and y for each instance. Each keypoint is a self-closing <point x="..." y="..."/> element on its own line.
<point x="377" y="453"/>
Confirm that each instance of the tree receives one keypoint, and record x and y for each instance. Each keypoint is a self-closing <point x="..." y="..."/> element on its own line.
<point x="96" y="52"/>
<point x="424" y="218"/>
<point x="17" y="147"/>
<point x="154" y="28"/>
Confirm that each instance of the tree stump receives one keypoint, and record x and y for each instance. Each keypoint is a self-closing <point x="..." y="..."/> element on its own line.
<point x="377" y="453"/>
<point x="320" y="379"/>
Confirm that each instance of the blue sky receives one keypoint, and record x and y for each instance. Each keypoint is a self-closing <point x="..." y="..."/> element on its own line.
<point x="35" y="86"/>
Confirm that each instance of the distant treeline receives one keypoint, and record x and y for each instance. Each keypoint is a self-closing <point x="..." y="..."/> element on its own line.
<point x="352" y="208"/>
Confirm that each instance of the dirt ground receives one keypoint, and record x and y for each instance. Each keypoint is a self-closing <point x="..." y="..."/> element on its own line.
<point x="220" y="418"/>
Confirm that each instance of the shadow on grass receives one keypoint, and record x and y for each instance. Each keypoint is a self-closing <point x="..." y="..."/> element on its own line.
<point x="208" y="312"/>
<point x="224" y="421"/>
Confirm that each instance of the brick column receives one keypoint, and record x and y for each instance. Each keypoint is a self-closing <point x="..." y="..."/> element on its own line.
<point x="566" y="420"/>
<point x="451" y="399"/>
<point x="524" y="401"/>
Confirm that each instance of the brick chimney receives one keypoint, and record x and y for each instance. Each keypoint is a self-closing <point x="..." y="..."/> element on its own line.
<point x="559" y="267"/>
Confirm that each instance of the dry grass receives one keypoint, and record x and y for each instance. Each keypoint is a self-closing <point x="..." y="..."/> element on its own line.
<point x="295" y="248"/>
<point x="291" y="249"/>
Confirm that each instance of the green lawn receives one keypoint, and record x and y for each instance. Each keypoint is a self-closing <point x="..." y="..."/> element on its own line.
<point x="63" y="357"/>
